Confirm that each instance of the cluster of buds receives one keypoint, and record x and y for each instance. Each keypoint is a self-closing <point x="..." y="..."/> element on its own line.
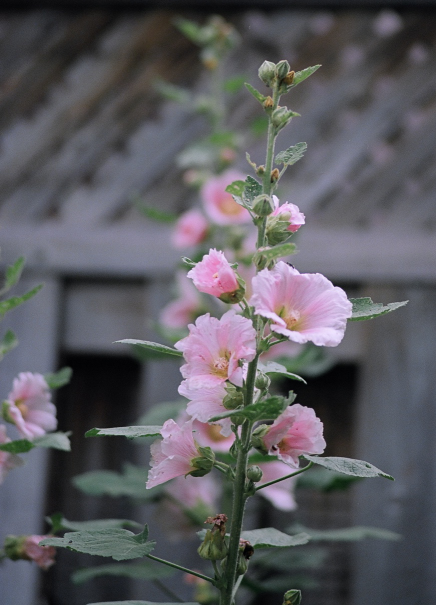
<point x="214" y="546"/>
<point x="270" y="73"/>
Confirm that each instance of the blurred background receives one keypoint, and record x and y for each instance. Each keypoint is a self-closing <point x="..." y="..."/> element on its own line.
<point x="83" y="132"/>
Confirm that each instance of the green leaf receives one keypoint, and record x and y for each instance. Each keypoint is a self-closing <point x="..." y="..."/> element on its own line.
<point x="278" y="251"/>
<point x="271" y="367"/>
<point x="59" y="523"/>
<point x="236" y="188"/>
<point x="256" y="94"/>
<point x="364" y="308"/>
<point x="13" y="274"/>
<point x="252" y="189"/>
<point x="58" y="379"/>
<point x="57" y="441"/>
<point x="347" y="534"/>
<point x="234" y="84"/>
<point x="268" y="409"/>
<point x="131" y="432"/>
<point x="19" y="446"/>
<point x="302" y="75"/>
<point x="172" y="92"/>
<point x="269" y="537"/>
<point x="324" y="480"/>
<point x="191" y="30"/>
<point x="120" y="544"/>
<point x="8" y="342"/>
<point x="291" y="155"/>
<point x="160" y="216"/>
<point x="348" y="466"/>
<point x="131" y="483"/>
<point x="15" y="301"/>
<point x="153" y="346"/>
<point x="139" y="603"/>
<point x="147" y="570"/>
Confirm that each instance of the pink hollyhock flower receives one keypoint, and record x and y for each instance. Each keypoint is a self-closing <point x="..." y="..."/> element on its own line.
<point x="181" y="311"/>
<point x="214" y="275"/>
<point x="29" y="407"/>
<point x="295" y="432"/>
<point x="302" y="306"/>
<point x="210" y="435"/>
<point x="7" y="461"/>
<point x="172" y="456"/>
<point x="220" y="205"/>
<point x="42" y="555"/>
<point x="280" y="494"/>
<point x="191" y="229"/>
<point x="206" y="403"/>
<point x="214" y="349"/>
<point x="290" y="213"/>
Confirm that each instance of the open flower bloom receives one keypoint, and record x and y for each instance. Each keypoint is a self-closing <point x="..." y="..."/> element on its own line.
<point x="190" y="230"/>
<point x="280" y="494"/>
<point x="295" y="432"/>
<point x="301" y="306"/>
<point x="206" y="403"/>
<point x="42" y="555"/>
<point x="289" y="213"/>
<point x="29" y="407"/>
<point x="7" y="461"/>
<point x="214" y="275"/>
<point x="220" y="205"/>
<point x="214" y="349"/>
<point x="173" y="455"/>
<point x="179" y="312"/>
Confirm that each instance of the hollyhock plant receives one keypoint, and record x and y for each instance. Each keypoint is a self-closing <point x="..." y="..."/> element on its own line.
<point x="214" y="275"/>
<point x="7" y="461"/>
<point x="190" y="230"/>
<point x="283" y="221"/>
<point x="295" y="432"/>
<point x="280" y="494"/>
<point x="29" y="407"/>
<point x="301" y="306"/>
<point x="214" y="349"/>
<point x="220" y="205"/>
<point x="205" y="403"/>
<point x="183" y="309"/>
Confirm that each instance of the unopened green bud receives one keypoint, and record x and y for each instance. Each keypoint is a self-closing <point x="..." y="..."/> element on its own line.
<point x="277" y="229"/>
<point x="283" y="68"/>
<point x="267" y="73"/>
<point x="14" y="547"/>
<point x="263" y="205"/>
<point x="234" y="397"/>
<point x="5" y="412"/>
<point x="213" y="547"/>
<point x="292" y="597"/>
<point x="254" y="473"/>
<point x="262" y="381"/>
<point x="257" y="438"/>
<point x="203" y="464"/>
<point x="280" y="116"/>
<point x="261" y="261"/>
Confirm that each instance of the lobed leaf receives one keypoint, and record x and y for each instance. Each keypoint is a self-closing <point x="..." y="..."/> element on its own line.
<point x="13" y="274"/>
<point x="252" y="189"/>
<point x="18" y="446"/>
<point x="269" y="537"/>
<point x="59" y="523"/>
<point x="15" y="301"/>
<point x="58" y="379"/>
<point x="348" y="466"/>
<point x="277" y="251"/>
<point x="256" y="94"/>
<point x="291" y="155"/>
<point x="364" y="308"/>
<point x="154" y="346"/>
<point x="131" y="432"/>
<point x="302" y="75"/>
<point x="57" y="441"/>
<point x="236" y="188"/>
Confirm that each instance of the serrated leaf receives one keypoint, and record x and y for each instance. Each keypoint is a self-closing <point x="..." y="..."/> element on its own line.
<point x="252" y="189"/>
<point x="348" y="466"/>
<point x="291" y="155"/>
<point x="120" y="544"/>
<point x="13" y="274"/>
<point x="15" y="301"/>
<point x="59" y="523"/>
<point x="8" y="342"/>
<point x="256" y="94"/>
<point x="278" y="251"/>
<point x="147" y="570"/>
<point x="131" y="483"/>
<point x="324" y="480"/>
<point x="272" y="367"/>
<point x="347" y="534"/>
<point x="269" y="537"/>
<point x="364" y="308"/>
<point x="58" y="379"/>
<point x="269" y="409"/>
<point x="131" y="432"/>
<point x="153" y="346"/>
<point x="236" y="188"/>
<point x="57" y="441"/>
<point x="302" y="75"/>
<point x="18" y="446"/>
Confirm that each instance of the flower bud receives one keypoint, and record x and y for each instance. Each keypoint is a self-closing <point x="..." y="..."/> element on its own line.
<point x="263" y="205"/>
<point x="281" y="117"/>
<point x="203" y="464"/>
<point x="261" y="261"/>
<point x="292" y="597"/>
<point x="232" y="298"/>
<point x="283" y="68"/>
<point x="254" y="473"/>
<point x="289" y="79"/>
<point x="234" y="397"/>
<point x="214" y="545"/>
<point x="268" y="103"/>
<point x="267" y="73"/>
<point x="275" y="174"/>
<point x="262" y="381"/>
<point x="257" y="438"/>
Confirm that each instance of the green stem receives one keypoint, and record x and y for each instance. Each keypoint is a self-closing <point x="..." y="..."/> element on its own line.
<point x="301" y="470"/>
<point x="167" y="591"/>
<point x="181" y="568"/>
<point x="267" y="185"/>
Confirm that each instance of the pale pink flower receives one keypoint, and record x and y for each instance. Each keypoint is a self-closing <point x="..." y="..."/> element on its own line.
<point x="7" y="461"/>
<point x="210" y="435"/>
<point x="172" y="456"/>
<point x="295" y="432"/>
<point x="288" y="212"/>
<point x="29" y="407"/>
<point x="215" y="349"/>
<point x="214" y="275"/>
<point x="206" y="403"/>
<point x="181" y="311"/>
<point x="280" y="494"/>
<point x="301" y="306"/>
<point x="220" y="205"/>
<point x="190" y="230"/>
<point x="42" y="555"/>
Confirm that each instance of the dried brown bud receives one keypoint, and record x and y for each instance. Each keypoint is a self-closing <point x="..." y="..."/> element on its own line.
<point x="289" y="78"/>
<point x="275" y="175"/>
<point x="218" y="522"/>
<point x="268" y="103"/>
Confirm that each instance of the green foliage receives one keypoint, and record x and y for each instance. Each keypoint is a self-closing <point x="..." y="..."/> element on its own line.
<point x="291" y="155"/>
<point x="236" y="189"/>
<point x="59" y="523"/>
<point x="269" y="409"/>
<point x="348" y="466"/>
<point x="7" y="343"/>
<point x="160" y="216"/>
<point x="302" y="75"/>
<point x="146" y="570"/>
<point x="131" y="432"/>
<point x="233" y="85"/>
<point x="324" y="480"/>
<point x="157" y="351"/>
<point x="270" y="254"/>
<point x="346" y="534"/>
<point x="57" y="441"/>
<point x="13" y="274"/>
<point x="15" y="301"/>
<point x="256" y="94"/>
<point x="311" y="361"/>
<point x="131" y="483"/>
<point x="138" y="603"/>
<point x="272" y="367"/>
<point x="364" y="308"/>
<point x="59" y="379"/>
<point x="269" y="537"/>
<point x="120" y="544"/>
<point x="19" y="446"/>
<point x="252" y="189"/>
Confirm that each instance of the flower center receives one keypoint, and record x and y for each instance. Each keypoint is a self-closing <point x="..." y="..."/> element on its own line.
<point x="22" y="407"/>
<point x="291" y="317"/>
<point x="221" y="366"/>
<point x="214" y="433"/>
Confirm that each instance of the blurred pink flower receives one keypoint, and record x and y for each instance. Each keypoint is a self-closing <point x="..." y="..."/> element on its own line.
<point x="302" y="306"/>
<point x="7" y="461"/>
<point x="214" y="349"/>
<point x="288" y="212"/>
<point x="206" y="403"/>
<point x="42" y="555"/>
<point x="190" y="230"/>
<point x="220" y="205"/>
<point x="214" y="275"/>
<point x="189" y="491"/>
<point x="29" y="407"/>
<point x="281" y="494"/>
<point x="179" y="312"/>
<point x="295" y="432"/>
<point x="172" y="456"/>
